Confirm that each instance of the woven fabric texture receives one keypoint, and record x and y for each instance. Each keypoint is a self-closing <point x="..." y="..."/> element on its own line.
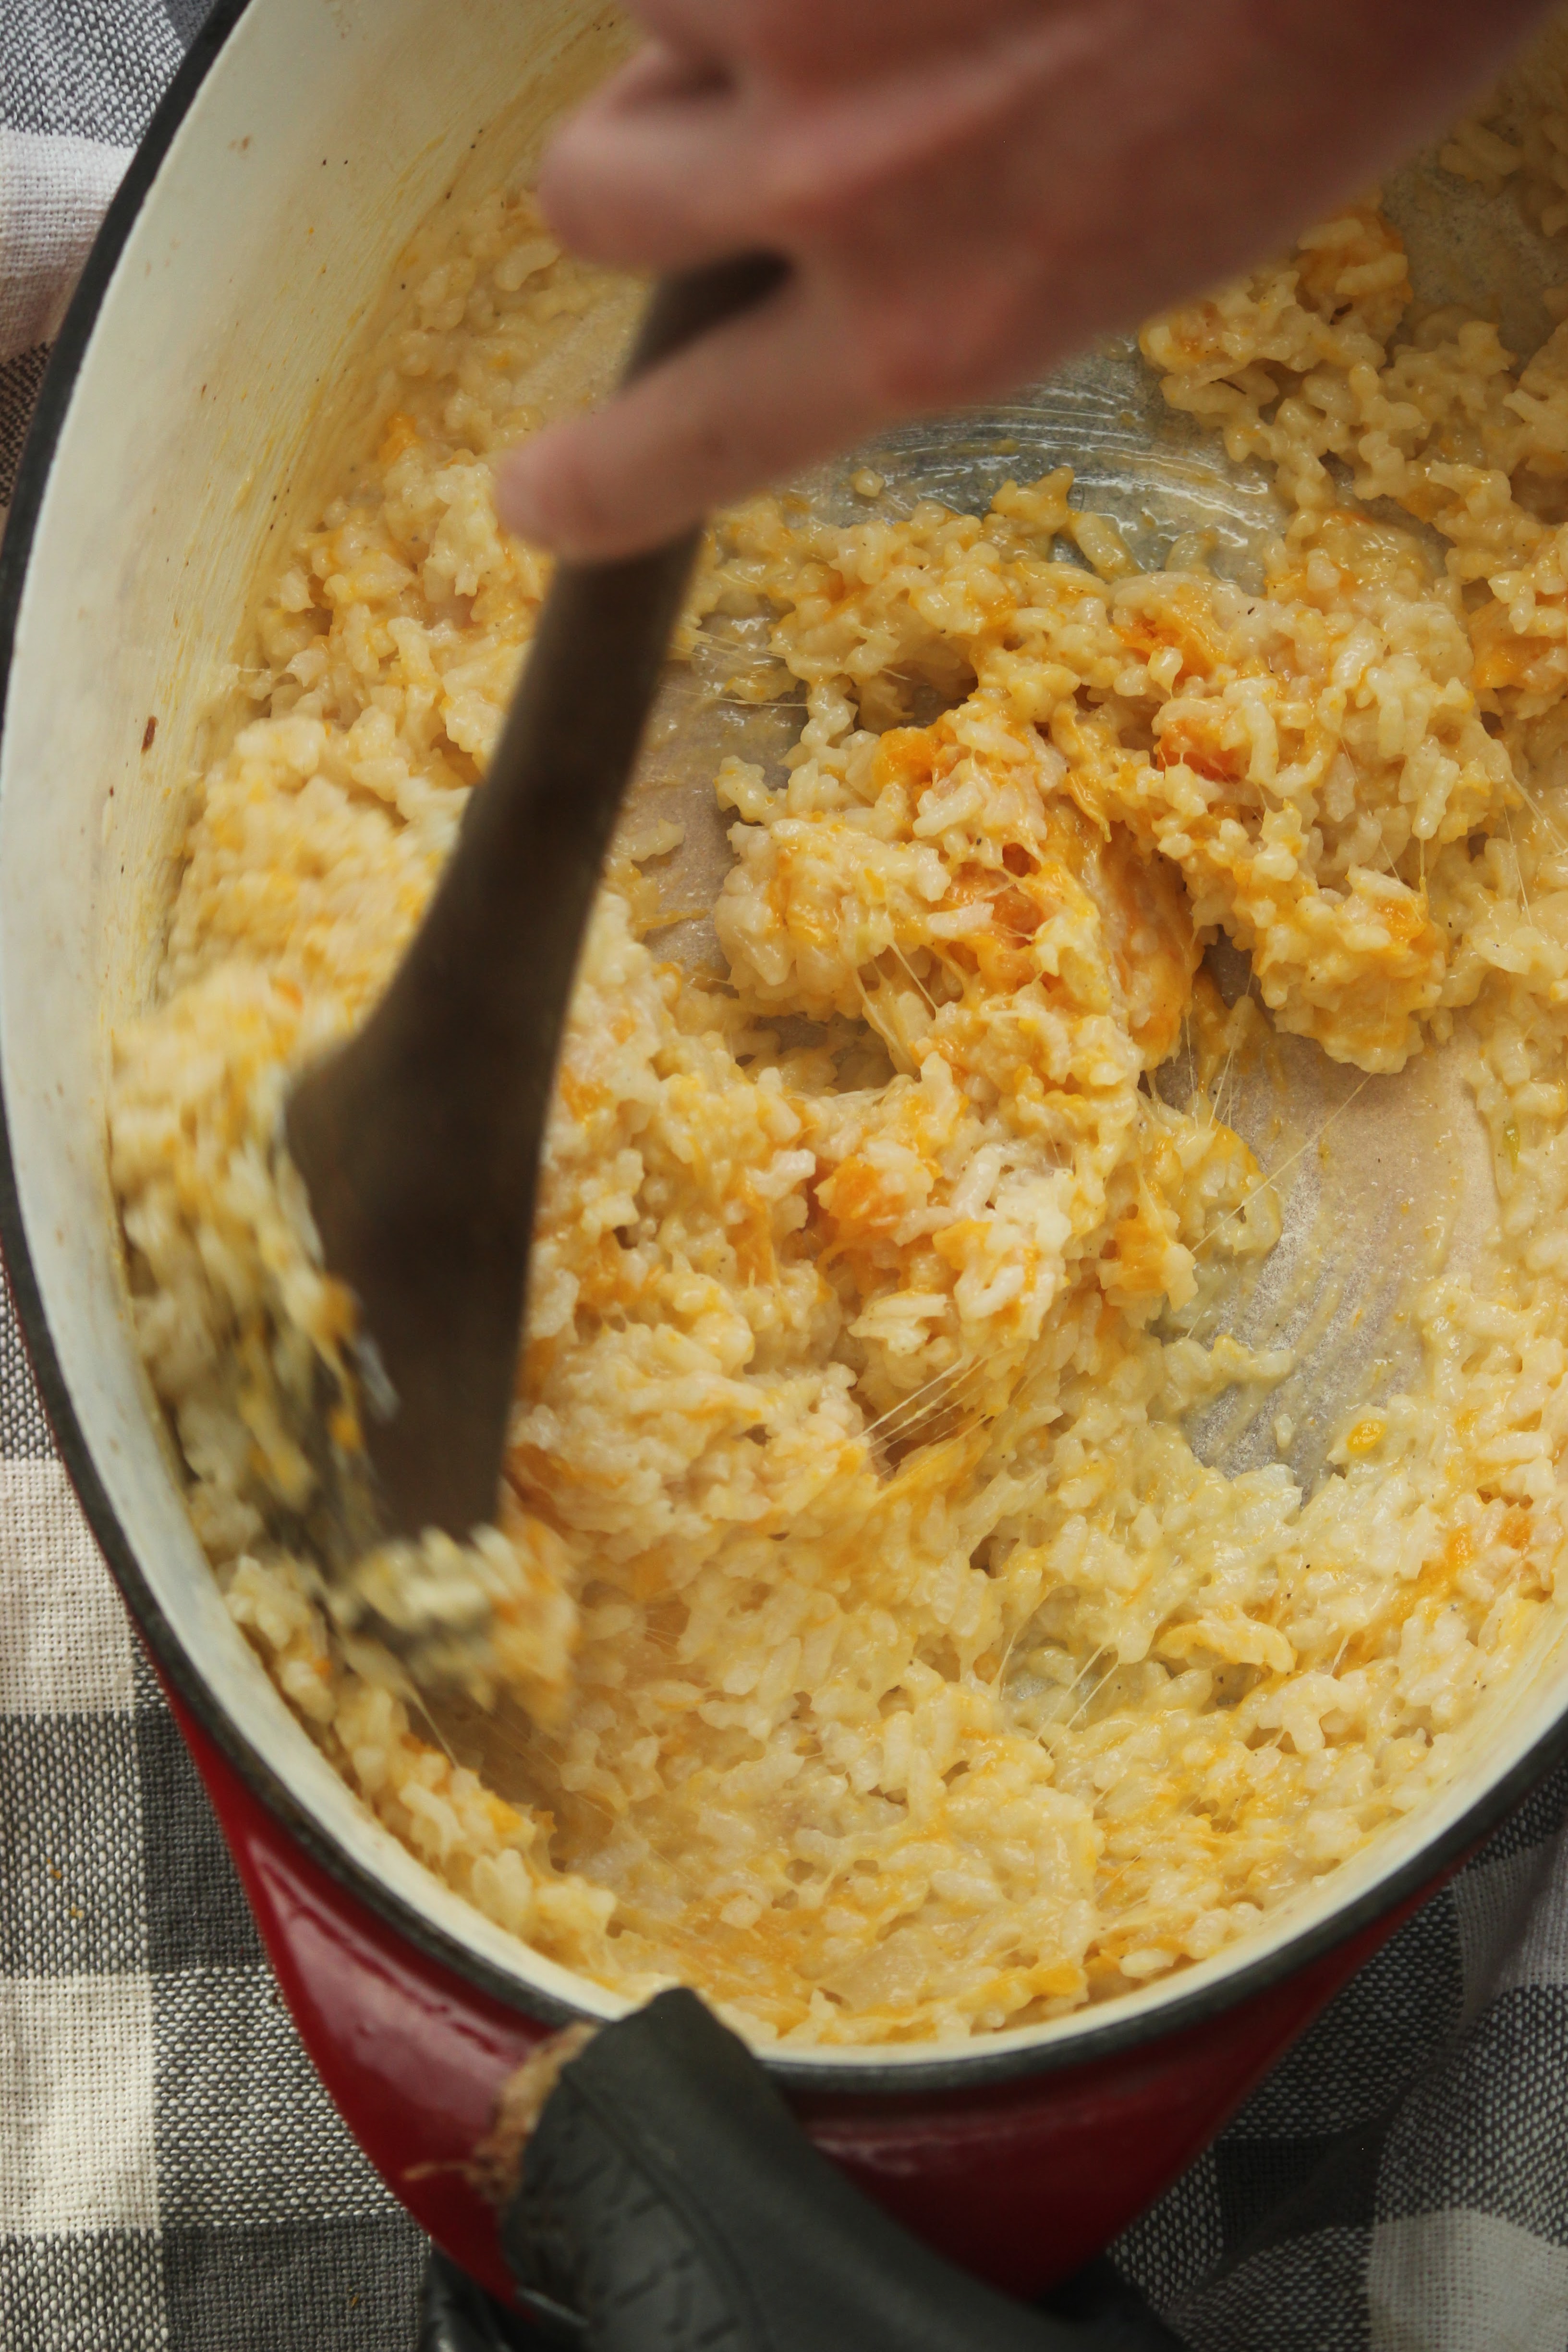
<point x="170" y="2172"/>
<point x="172" y="2177"/>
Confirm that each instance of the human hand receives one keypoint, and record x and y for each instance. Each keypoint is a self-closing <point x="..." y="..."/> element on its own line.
<point x="967" y="192"/>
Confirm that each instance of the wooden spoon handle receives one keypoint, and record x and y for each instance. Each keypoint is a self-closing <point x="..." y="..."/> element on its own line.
<point x="540" y="825"/>
<point x="684" y="307"/>
<point x="420" y="1143"/>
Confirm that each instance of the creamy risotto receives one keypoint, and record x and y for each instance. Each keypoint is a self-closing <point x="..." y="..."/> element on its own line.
<point x="874" y="1649"/>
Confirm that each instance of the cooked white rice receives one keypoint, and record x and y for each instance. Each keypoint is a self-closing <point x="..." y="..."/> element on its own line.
<point x="879" y="1655"/>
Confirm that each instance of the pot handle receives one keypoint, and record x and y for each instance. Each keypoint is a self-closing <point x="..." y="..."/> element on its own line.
<point x="671" y="2202"/>
<point x="456" y="2314"/>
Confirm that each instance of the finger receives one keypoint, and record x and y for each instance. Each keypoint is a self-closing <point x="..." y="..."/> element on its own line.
<point x="677" y="171"/>
<point x="755" y="401"/>
<point x="646" y="180"/>
<point x="819" y="42"/>
<point x="657" y="75"/>
<point x="711" y="29"/>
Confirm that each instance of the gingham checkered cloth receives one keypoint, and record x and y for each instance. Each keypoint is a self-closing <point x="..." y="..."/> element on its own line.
<point x="171" y="2174"/>
<point x="173" y="2178"/>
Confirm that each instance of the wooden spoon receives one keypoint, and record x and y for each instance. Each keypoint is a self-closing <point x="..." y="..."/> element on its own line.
<point x="418" y="1142"/>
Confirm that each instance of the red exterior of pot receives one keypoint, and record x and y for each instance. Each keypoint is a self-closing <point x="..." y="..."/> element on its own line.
<point x="1021" y="2183"/>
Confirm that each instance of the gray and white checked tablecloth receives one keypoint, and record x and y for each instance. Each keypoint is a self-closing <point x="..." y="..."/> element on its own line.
<point x="173" y="2178"/>
<point x="171" y="2173"/>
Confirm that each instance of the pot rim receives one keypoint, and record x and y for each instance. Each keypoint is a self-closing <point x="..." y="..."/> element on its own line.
<point x="1105" y="2032"/>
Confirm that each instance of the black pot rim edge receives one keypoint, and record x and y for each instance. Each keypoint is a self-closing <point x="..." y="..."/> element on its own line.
<point x="1107" y="2035"/>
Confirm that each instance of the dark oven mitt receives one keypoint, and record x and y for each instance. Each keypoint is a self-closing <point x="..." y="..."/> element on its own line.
<point x="670" y="2203"/>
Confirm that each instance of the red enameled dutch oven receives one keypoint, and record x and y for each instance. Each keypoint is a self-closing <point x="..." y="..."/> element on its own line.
<point x="301" y="146"/>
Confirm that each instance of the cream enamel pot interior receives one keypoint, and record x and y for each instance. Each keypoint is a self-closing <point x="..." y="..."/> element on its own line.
<point x="302" y="146"/>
